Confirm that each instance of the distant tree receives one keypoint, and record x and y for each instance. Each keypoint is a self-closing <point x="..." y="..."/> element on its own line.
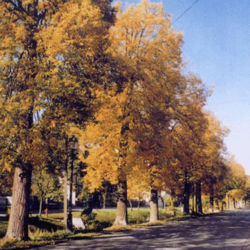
<point x="45" y="186"/>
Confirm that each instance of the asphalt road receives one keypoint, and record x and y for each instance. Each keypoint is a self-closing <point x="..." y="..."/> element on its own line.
<point x="230" y="230"/>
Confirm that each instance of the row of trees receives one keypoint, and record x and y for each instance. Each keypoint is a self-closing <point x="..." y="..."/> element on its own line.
<point x="116" y="81"/>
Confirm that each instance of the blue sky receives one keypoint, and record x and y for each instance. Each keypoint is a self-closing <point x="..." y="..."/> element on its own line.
<point x="217" y="48"/>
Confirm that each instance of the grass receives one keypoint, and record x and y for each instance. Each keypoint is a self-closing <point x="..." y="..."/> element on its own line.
<point x="49" y="231"/>
<point x="3" y="226"/>
<point x="43" y="231"/>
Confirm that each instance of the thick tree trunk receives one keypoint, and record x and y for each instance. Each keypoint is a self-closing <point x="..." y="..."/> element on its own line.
<point x="198" y="197"/>
<point x="121" y="210"/>
<point x="186" y="195"/>
<point x="211" y="198"/>
<point x="154" y="211"/>
<point x="19" y="215"/>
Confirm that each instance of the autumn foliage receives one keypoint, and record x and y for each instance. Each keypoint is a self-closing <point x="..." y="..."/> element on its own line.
<point x="115" y="79"/>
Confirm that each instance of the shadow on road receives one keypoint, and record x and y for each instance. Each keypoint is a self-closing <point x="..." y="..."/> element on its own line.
<point x="219" y="231"/>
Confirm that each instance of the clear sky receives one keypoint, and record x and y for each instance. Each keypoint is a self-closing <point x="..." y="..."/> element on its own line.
<point x="217" y="48"/>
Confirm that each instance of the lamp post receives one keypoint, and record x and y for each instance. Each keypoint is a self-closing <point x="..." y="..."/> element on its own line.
<point x="73" y="147"/>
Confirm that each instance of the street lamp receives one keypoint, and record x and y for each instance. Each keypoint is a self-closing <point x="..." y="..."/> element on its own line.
<point x="73" y="144"/>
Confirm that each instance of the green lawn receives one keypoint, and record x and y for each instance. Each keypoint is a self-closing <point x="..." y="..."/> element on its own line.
<point x="135" y="216"/>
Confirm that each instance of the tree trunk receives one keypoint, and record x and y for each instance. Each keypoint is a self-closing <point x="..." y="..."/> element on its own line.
<point x="104" y="200"/>
<point x="19" y="215"/>
<point x="138" y="204"/>
<point x="211" y="198"/>
<point x="198" y="197"/>
<point x="40" y="206"/>
<point x="222" y="206"/>
<point x="130" y="204"/>
<point x="104" y="197"/>
<point x="121" y="210"/>
<point x="228" y="202"/>
<point x="186" y="195"/>
<point x="217" y="205"/>
<point x="154" y="211"/>
<point x="193" y="199"/>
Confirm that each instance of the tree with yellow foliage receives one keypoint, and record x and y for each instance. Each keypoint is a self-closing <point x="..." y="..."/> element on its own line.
<point x="189" y="125"/>
<point x="235" y="184"/>
<point x="143" y="36"/>
<point x="51" y="56"/>
<point x="142" y="40"/>
<point x="214" y="170"/>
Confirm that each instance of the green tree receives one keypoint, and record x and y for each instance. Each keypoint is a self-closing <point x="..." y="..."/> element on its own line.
<point x="45" y="186"/>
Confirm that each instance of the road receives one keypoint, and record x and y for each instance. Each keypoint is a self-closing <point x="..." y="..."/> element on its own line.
<point x="230" y="230"/>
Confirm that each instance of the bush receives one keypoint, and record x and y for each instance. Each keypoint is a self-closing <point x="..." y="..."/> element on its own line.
<point x="89" y="220"/>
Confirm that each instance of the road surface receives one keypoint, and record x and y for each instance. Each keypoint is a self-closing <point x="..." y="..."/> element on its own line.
<point x="230" y="230"/>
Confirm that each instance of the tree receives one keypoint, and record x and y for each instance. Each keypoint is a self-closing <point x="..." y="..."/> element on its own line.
<point x="235" y="183"/>
<point x="46" y="72"/>
<point x="214" y="171"/>
<point x="189" y="127"/>
<point x="45" y="186"/>
<point x="20" y="99"/>
<point x="143" y="36"/>
<point x="137" y="47"/>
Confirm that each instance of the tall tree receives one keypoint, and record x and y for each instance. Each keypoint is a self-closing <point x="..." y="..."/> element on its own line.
<point x="143" y="37"/>
<point x="46" y="71"/>
<point x="148" y="50"/>
<point x="20" y="99"/>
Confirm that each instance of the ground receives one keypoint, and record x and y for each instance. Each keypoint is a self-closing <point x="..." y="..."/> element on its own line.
<point x="229" y="230"/>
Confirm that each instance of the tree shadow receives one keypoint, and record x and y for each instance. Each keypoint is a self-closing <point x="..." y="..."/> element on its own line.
<point x="44" y="224"/>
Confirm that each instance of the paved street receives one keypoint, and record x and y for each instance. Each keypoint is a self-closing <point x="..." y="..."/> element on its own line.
<point x="229" y="230"/>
